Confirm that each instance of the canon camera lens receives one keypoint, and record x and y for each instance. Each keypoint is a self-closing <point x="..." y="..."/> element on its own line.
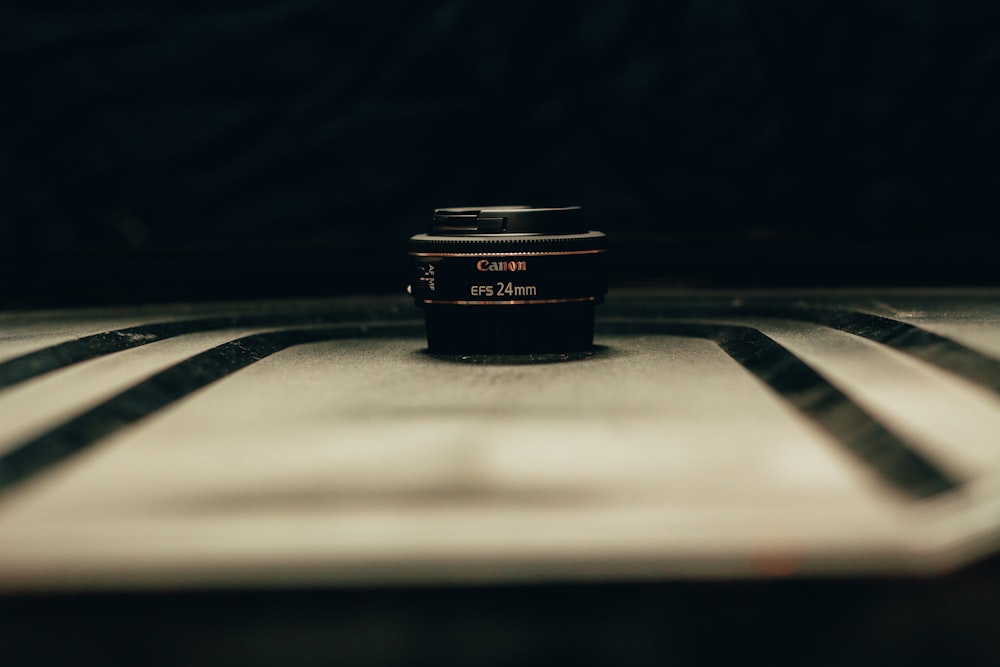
<point x="511" y="279"/>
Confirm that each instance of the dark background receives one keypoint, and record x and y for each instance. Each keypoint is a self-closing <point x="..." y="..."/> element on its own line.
<point x="258" y="149"/>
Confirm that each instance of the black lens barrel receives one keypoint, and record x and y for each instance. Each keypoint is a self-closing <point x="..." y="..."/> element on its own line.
<point x="509" y="279"/>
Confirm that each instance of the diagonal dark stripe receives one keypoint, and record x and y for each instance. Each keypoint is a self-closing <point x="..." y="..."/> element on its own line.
<point x="926" y="345"/>
<point x="52" y="358"/>
<point x="885" y="453"/>
<point x="888" y="456"/>
<point x="935" y="349"/>
<point x="164" y="388"/>
<point x="930" y="347"/>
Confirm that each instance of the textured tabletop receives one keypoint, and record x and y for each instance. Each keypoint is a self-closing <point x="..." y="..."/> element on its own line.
<point x="293" y="443"/>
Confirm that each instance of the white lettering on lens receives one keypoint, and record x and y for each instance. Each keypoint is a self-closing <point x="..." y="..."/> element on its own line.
<point x="510" y="289"/>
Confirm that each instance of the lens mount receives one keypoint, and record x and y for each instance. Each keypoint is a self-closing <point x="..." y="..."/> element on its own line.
<point x="511" y="279"/>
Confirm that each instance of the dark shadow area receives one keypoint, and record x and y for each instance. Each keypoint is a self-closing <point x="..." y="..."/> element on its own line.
<point x="596" y="351"/>
<point x="869" y="623"/>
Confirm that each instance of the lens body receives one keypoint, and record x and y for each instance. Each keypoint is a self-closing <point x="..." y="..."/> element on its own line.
<point x="509" y="280"/>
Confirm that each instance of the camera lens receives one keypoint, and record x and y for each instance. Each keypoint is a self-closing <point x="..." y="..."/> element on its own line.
<point x="511" y="279"/>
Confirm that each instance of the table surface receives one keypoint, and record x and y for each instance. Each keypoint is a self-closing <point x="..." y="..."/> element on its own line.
<point x="302" y="443"/>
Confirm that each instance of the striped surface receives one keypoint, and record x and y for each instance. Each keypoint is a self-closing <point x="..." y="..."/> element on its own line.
<point x="709" y="435"/>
